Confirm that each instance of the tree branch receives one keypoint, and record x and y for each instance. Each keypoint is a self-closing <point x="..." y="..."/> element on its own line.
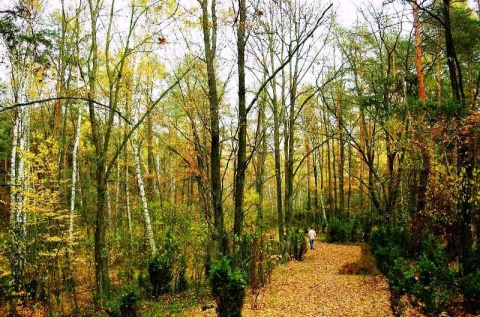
<point x="289" y="58"/>
<point x="17" y="105"/>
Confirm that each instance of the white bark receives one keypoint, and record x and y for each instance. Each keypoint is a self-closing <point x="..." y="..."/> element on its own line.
<point x="127" y="201"/>
<point x="74" y="177"/>
<point x="146" y="214"/>
<point x="157" y="176"/>
<point x="117" y="189"/>
<point x="18" y="217"/>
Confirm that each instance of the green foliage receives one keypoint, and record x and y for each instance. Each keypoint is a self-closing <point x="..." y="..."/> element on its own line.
<point x="181" y="280"/>
<point x="297" y="246"/>
<point x="466" y="28"/>
<point x="389" y="244"/>
<point x="427" y="278"/>
<point x="124" y="304"/>
<point x="161" y="274"/>
<point x="448" y="109"/>
<point x="345" y="231"/>
<point x="470" y="283"/>
<point x="8" y="30"/>
<point x="470" y="287"/>
<point x="337" y="231"/>
<point x="167" y="271"/>
<point x="473" y="261"/>
<point x="161" y="268"/>
<point x="228" y="287"/>
<point x="433" y="281"/>
<point x="259" y="258"/>
<point x="6" y="286"/>
<point x="5" y="136"/>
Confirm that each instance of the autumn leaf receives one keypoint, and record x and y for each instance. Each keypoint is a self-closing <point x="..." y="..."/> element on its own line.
<point x="315" y="287"/>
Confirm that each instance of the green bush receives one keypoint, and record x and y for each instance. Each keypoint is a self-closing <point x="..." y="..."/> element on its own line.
<point x="161" y="268"/>
<point x="338" y="231"/>
<point x="181" y="281"/>
<point x="427" y="279"/>
<point x="389" y="245"/>
<point x="298" y="246"/>
<point x="473" y="260"/>
<point x="123" y="305"/>
<point x="402" y="277"/>
<point x="470" y="287"/>
<point x="6" y="287"/>
<point x="161" y="274"/>
<point x="259" y="257"/>
<point x="345" y="231"/>
<point x="433" y="283"/>
<point x="228" y="287"/>
<point x="356" y="230"/>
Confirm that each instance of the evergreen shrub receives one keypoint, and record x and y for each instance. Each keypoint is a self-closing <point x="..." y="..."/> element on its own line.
<point x="124" y="304"/>
<point x="228" y="287"/>
<point x="345" y="231"/>
<point x="161" y="274"/>
<point x="181" y="281"/>
<point x="161" y="268"/>
<point x="427" y="278"/>
<point x="470" y="287"/>
<point x="298" y="246"/>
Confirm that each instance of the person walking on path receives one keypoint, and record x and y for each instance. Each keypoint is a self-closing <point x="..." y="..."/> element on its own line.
<point x="311" y="235"/>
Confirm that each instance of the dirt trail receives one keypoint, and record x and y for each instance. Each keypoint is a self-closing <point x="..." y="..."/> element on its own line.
<point x="314" y="288"/>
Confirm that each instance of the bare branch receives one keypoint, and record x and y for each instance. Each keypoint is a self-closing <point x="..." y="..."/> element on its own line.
<point x="24" y="104"/>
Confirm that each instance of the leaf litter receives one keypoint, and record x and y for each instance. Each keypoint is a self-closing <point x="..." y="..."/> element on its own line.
<point x="316" y="288"/>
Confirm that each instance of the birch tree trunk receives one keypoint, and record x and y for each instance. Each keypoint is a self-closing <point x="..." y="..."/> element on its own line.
<point x="127" y="200"/>
<point x="74" y="177"/>
<point x="143" y="197"/>
<point x="18" y="217"/>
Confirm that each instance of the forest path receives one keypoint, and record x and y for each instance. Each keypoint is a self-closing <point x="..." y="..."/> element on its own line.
<point x="314" y="287"/>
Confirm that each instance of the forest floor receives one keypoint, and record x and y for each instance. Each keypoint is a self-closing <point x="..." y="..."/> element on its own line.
<point x="315" y="287"/>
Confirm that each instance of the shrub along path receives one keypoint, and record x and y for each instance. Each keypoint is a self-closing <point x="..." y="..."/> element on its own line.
<point x="314" y="288"/>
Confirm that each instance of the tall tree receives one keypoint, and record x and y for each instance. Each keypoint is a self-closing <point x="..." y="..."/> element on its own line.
<point x="26" y="47"/>
<point x="241" y="164"/>
<point x="209" y="28"/>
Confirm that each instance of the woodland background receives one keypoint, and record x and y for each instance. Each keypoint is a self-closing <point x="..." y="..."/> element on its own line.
<point x="146" y="145"/>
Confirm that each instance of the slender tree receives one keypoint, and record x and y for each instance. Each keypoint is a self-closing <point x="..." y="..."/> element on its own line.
<point x="209" y="28"/>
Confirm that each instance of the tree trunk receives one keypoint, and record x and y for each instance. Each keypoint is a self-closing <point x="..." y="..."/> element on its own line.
<point x="102" y="278"/>
<point x="422" y="95"/>
<point x="127" y="199"/>
<point x="276" y="145"/>
<point x="341" y="157"/>
<point x="308" y="172"/>
<point x="74" y="176"/>
<point x="143" y="197"/>
<point x="210" y="40"/>
<point x="261" y="158"/>
<point x="465" y="158"/>
<point x="18" y="216"/>
<point x="421" y="194"/>
<point x="290" y="146"/>
<point x="241" y="164"/>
